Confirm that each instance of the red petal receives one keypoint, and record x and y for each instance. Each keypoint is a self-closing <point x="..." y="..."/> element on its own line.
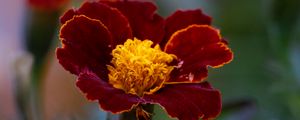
<point x="198" y="46"/>
<point x="112" y="18"/>
<point x="145" y="23"/>
<point x="109" y="98"/>
<point x="85" y="43"/>
<point x="67" y="16"/>
<point x="182" y="19"/>
<point x="188" y="101"/>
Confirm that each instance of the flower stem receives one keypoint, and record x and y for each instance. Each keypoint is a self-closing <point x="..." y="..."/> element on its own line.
<point x="141" y="112"/>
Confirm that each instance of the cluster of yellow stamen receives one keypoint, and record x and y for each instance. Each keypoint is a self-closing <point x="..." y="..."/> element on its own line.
<point x="137" y="68"/>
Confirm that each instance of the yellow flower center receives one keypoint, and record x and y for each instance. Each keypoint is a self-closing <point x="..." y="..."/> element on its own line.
<point x="137" y="68"/>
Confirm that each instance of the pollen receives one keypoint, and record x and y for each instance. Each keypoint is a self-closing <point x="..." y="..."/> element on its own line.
<point x="138" y="68"/>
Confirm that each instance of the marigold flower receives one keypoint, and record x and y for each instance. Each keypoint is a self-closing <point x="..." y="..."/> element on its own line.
<point x="126" y="55"/>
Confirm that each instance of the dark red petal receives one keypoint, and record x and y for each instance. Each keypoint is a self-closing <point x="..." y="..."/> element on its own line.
<point x="188" y="101"/>
<point x="182" y="19"/>
<point x="145" y="23"/>
<point x="112" y="18"/>
<point x="109" y="98"/>
<point x="67" y="16"/>
<point x="85" y="43"/>
<point x="198" y="46"/>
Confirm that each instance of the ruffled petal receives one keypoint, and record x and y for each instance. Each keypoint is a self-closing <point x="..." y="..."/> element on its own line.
<point x="188" y="101"/>
<point x="182" y="19"/>
<point x="69" y="14"/>
<point x="197" y="47"/>
<point x="144" y="22"/>
<point x="109" y="98"/>
<point x="112" y="18"/>
<point x="85" y="43"/>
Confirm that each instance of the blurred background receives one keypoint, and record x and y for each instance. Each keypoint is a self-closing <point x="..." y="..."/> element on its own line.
<point x="261" y="83"/>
